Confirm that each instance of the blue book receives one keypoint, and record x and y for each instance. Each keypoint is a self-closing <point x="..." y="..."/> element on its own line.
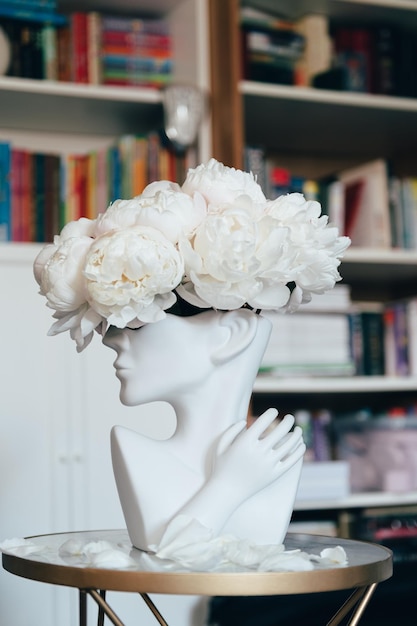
<point x="115" y="173"/>
<point x="23" y="12"/>
<point x="5" y="196"/>
<point x="40" y="4"/>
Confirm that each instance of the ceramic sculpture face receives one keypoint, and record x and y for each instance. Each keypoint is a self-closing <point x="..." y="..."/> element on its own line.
<point x="159" y="360"/>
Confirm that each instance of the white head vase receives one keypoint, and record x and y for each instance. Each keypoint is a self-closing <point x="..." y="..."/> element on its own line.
<point x="174" y="280"/>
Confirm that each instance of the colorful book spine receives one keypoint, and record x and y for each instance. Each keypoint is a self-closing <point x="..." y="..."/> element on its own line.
<point x="5" y="191"/>
<point x="78" y="25"/>
<point x="134" y="25"/>
<point x="28" y="13"/>
<point x="94" y="45"/>
<point x="40" y="193"/>
<point x="38" y="187"/>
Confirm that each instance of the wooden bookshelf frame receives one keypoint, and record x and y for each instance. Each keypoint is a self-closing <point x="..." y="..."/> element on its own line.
<point x="226" y="101"/>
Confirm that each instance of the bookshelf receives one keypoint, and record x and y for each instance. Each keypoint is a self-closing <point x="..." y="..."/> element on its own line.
<point x="79" y="118"/>
<point x="316" y="132"/>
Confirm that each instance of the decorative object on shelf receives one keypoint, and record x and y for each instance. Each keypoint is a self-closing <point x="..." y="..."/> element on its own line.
<point x="5" y="54"/>
<point x="192" y="267"/>
<point x="184" y="107"/>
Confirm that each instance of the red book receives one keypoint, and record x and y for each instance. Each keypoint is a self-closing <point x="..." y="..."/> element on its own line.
<point x="127" y="39"/>
<point x="17" y="195"/>
<point x="79" y="47"/>
<point x="63" y="40"/>
<point x="52" y="195"/>
<point x="28" y="211"/>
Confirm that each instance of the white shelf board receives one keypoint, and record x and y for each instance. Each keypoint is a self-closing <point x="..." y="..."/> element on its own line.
<point x="392" y="272"/>
<point x="398" y="11"/>
<point x="380" y="256"/>
<point x="140" y="95"/>
<point x="341" y="124"/>
<point x="359" y="500"/>
<point x="326" y="96"/>
<point x="351" y="384"/>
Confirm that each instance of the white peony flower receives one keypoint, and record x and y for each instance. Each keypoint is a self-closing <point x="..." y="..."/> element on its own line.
<point x="316" y="247"/>
<point x="229" y="260"/>
<point x="59" y="271"/>
<point x="61" y="279"/>
<point x="162" y="205"/>
<point x="220" y="184"/>
<point x="131" y="274"/>
<point x="118" y="215"/>
<point x="171" y="211"/>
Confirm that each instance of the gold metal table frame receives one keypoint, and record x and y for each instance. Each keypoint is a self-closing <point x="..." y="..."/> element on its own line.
<point x="368" y="565"/>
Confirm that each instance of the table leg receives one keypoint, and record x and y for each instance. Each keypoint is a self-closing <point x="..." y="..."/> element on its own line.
<point x="100" y="618"/>
<point x="357" y="603"/>
<point x="105" y="607"/>
<point x="153" y="608"/>
<point x="83" y="608"/>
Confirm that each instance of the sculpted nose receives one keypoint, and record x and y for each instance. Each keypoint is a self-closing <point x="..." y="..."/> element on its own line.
<point x="115" y="338"/>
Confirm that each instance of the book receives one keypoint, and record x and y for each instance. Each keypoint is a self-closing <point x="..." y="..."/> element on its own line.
<point x="139" y="177"/>
<point x="408" y="209"/>
<point x="366" y="204"/>
<point x="270" y="47"/>
<point x="38" y="196"/>
<point x="78" y="30"/>
<point x="34" y="4"/>
<point x="94" y="47"/>
<point x="5" y="191"/>
<point x="134" y="25"/>
<point x="16" y="195"/>
<point x="354" y="52"/>
<point x="386" y="41"/>
<point x="29" y="13"/>
<point x="411" y="313"/>
<point x="296" y="346"/>
<point x="64" y="63"/>
<point x="52" y="165"/>
<point x="50" y="55"/>
<point x="31" y="52"/>
<point x="335" y="204"/>
<point x="368" y="339"/>
<point x="401" y="341"/>
<point x="28" y="209"/>
<point x="396" y="211"/>
<point x="372" y="323"/>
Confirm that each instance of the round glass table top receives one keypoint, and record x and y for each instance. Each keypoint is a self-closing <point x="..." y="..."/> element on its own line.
<point x="367" y="563"/>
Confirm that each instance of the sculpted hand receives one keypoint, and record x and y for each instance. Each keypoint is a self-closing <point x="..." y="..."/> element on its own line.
<point x="250" y="459"/>
<point x="247" y="460"/>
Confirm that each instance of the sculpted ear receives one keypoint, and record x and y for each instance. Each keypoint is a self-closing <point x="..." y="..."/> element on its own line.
<point x="241" y="326"/>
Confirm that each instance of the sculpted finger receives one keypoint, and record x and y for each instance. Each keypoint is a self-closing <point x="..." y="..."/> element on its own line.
<point x="230" y="435"/>
<point x="262" y="423"/>
<point x="280" y="431"/>
<point x="289" y="443"/>
<point x="291" y="459"/>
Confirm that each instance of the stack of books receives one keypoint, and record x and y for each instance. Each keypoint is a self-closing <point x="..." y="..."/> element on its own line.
<point x="271" y="47"/>
<point x="135" y="51"/>
<point x="297" y="346"/>
<point x="40" y="193"/>
<point x="86" y="47"/>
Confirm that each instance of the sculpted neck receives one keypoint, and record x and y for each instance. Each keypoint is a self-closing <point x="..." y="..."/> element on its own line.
<point x="204" y="411"/>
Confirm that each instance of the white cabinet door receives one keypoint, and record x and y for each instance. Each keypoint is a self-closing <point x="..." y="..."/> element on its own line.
<point x="56" y="411"/>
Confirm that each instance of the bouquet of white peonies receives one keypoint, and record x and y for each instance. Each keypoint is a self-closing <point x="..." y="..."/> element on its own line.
<point x="214" y="242"/>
